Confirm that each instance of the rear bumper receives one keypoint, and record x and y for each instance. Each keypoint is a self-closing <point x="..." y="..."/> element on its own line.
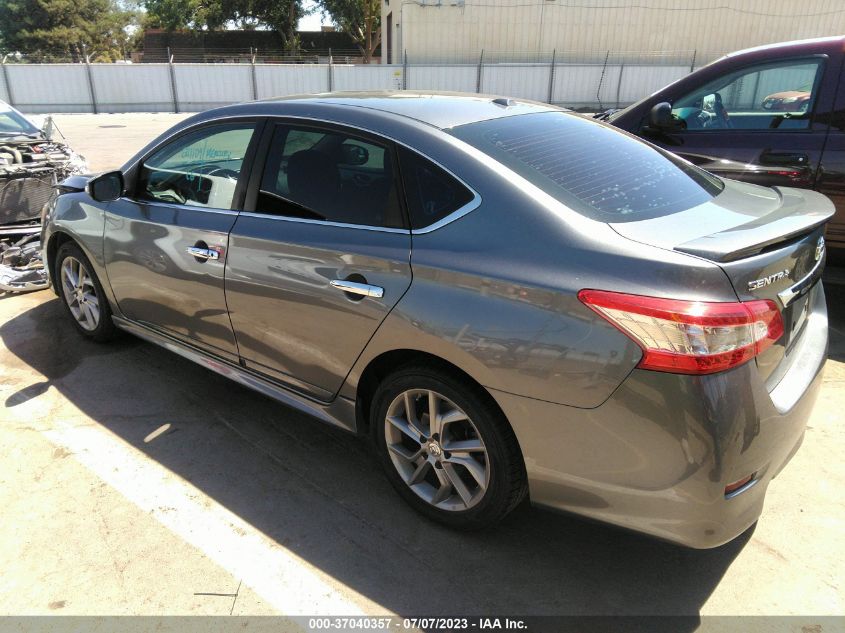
<point x="657" y="455"/>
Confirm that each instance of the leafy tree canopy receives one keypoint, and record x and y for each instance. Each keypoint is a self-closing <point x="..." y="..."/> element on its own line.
<point x="65" y="28"/>
<point x="360" y="18"/>
<point x="279" y="15"/>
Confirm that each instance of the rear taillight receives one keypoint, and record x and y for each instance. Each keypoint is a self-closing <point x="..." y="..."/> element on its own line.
<point x="690" y="337"/>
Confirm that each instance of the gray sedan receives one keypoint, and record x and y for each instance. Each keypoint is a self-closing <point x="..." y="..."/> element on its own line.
<point x="510" y="300"/>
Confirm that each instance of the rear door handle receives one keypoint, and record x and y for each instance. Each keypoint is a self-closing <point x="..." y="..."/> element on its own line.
<point x="202" y="253"/>
<point x="355" y="288"/>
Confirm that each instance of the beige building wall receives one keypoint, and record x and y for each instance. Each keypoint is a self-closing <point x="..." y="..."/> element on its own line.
<point x="457" y="30"/>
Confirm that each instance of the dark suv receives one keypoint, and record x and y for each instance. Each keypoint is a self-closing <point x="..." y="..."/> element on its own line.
<point x="772" y="115"/>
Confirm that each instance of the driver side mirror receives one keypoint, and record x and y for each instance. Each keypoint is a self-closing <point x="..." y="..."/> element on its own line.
<point x="660" y="117"/>
<point x="351" y="154"/>
<point x="106" y="187"/>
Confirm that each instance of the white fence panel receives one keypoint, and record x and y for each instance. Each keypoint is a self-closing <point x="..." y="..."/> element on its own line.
<point x="458" y="78"/>
<point x="50" y="88"/>
<point x="367" y="77"/>
<point x="576" y="85"/>
<point x="39" y="88"/>
<point x="525" y="81"/>
<point x="279" y="80"/>
<point x="203" y="86"/>
<point x="132" y="88"/>
<point x="641" y="80"/>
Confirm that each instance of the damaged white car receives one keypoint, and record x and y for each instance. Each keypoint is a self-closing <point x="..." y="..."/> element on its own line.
<point x="31" y="164"/>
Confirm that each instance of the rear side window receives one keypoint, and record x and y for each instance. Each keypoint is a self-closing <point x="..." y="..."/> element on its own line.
<point x="598" y="171"/>
<point x="432" y="194"/>
<point x="330" y="176"/>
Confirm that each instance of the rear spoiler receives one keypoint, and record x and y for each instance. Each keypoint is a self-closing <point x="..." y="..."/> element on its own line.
<point x="800" y="213"/>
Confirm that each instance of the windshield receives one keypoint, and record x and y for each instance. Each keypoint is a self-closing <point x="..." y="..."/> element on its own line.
<point x="13" y="123"/>
<point x="594" y="169"/>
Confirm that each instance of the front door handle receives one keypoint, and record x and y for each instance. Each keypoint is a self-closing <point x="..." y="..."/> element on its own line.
<point x="784" y="159"/>
<point x="355" y="288"/>
<point x="202" y="253"/>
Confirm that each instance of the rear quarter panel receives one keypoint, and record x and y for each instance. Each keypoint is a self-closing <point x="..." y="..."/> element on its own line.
<point x="495" y="293"/>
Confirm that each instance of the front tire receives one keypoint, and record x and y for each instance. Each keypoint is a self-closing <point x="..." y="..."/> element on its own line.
<point x="446" y="447"/>
<point x="82" y="294"/>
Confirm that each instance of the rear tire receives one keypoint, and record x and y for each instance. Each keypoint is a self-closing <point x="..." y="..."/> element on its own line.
<point x="464" y="471"/>
<point x="82" y="294"/>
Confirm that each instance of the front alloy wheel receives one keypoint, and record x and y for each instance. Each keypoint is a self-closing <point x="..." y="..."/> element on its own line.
<point x="80" y="294"/>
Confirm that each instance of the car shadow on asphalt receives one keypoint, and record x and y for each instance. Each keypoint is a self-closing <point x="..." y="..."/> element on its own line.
<point x="319" y="493"/>
<point x="835" y="294"/>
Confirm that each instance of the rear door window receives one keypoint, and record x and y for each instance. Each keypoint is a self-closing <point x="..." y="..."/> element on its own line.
<point x="329" y="175"/>
<point x="596" y="170"/>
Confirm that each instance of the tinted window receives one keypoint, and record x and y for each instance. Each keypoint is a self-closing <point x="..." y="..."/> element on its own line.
<point x="776" y="95"/>
<point x="198" y="169"/>
<point x="432" y="194"/>
<point x="594" y="169"/>
<point x="331" y="176"/>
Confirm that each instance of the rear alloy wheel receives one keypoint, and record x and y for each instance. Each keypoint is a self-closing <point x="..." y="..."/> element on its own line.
<point x="82" y="294"/>
<point x="436" y="450"/>
<point x="447" y="448"/>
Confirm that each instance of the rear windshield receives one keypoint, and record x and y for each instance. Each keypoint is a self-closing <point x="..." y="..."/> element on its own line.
<point x="598" y="171"/>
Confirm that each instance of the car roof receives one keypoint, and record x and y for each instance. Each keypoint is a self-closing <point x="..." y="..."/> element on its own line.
<point x="799" y="46"/>
<point x="442" y="110"/>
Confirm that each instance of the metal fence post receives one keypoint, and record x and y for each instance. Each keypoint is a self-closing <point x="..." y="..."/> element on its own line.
<point x="90" y="75"/>
<point x="692" y="63"/>
<point x="254" y="79"/>
<point x="9" y="93"/>
<point x="331" y="79"/>
<point x="480" y="66"/>
<point x="173" y="93"/>
<point x="405" y="71"/>
<point x="552" y="76"/>
<point x="619" y="83"/>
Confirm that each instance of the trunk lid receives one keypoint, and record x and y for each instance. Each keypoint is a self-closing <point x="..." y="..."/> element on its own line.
<point x="768" y="241"/>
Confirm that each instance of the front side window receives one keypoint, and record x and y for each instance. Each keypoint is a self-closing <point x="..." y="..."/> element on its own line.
<point x="592" y="168"/>
<point x="776" y="95"/>
<point x="198" y="169"/>
<point x="331" y="176"/>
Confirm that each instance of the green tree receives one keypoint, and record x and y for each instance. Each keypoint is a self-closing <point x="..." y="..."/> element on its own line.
<point x="361" y="19"/>
<point x="173" y="15"/>
<point x="279" y="15"/>
<point x="55" y="29"/>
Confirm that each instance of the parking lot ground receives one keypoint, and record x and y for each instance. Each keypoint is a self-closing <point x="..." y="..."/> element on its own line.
<point x="108" y="140"/>
<point x="135" y="482"/>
